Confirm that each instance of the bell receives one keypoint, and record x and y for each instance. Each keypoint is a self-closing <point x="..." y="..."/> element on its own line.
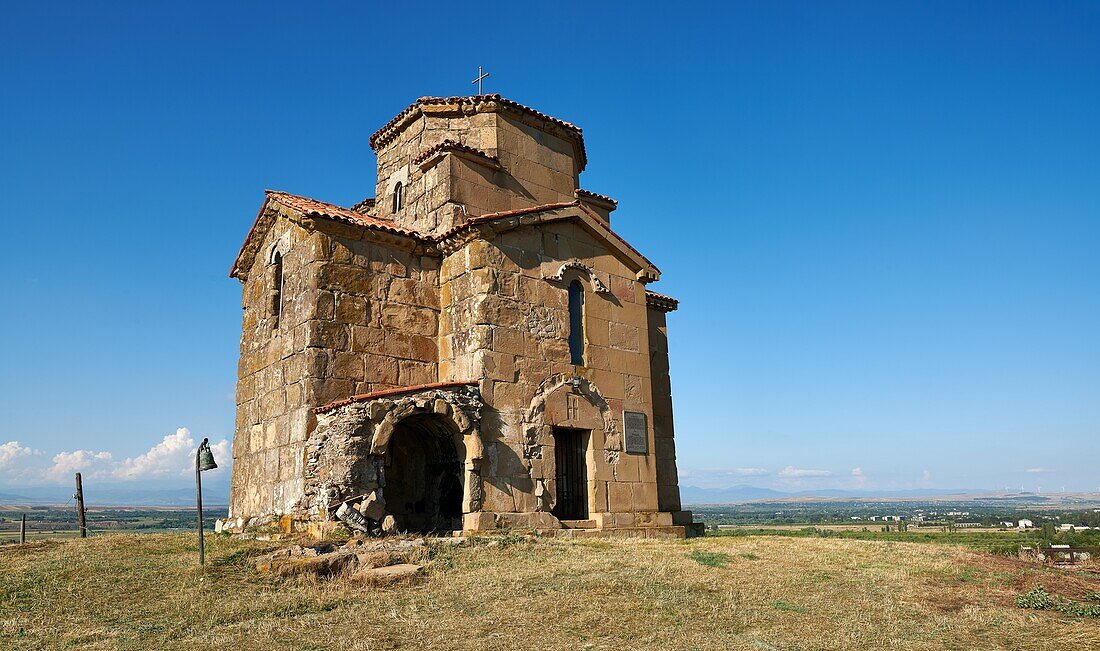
<point x="206" y="457"/>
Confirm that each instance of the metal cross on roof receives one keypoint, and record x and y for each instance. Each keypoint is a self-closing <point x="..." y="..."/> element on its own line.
<point x="480" y="75"/>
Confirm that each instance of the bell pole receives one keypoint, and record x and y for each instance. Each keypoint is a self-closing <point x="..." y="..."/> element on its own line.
<point x="204" y="460"/>
<point x="198" y="499"/>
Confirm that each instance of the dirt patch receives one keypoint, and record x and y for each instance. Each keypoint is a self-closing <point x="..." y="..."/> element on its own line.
<point x="1073" y="583"/>
<point x="950" y="603"/>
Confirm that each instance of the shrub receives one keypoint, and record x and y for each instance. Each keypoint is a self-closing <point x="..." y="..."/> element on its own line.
<point x="1036" y="598"/>
<point x="1039" y="599"/>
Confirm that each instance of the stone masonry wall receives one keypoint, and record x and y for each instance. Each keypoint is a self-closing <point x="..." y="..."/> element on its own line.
<point x="502" y="321"/>
<point x="668" y="483"/>
<point x="273" y="378"/>
<point x="359" y="316"/>
<point x="426" y="196"/>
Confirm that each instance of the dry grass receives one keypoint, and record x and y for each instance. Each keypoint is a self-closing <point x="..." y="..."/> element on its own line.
<point x="142" y="592"/>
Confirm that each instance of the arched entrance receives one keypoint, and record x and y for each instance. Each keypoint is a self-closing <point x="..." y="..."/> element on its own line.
<point x="424" y="474"/>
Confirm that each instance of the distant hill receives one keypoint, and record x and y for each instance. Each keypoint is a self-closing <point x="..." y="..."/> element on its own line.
<point x="733" y="494"/>
<point x="742" y="493"/>
<point x="118" y="495"/>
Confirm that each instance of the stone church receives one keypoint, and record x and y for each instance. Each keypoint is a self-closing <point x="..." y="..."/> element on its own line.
<point x="474" y="348"/>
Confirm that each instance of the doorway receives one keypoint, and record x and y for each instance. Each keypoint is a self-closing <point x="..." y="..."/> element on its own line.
<point x="570" y="449"/>
<point x="424" y="476"/>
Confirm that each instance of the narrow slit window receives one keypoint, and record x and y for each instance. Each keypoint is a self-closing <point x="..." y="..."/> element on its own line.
<point x="398" y="196"/>
<point x="277" y="287"/>
<point x="576" y="323"/>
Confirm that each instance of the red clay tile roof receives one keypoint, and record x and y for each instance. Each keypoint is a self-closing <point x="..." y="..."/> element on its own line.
<point x="546" y="207"/>
<point x="379" y="137"/>
<point x="619" y="238"/>
<point x="516" y="212"/>
<point x="364" y="206"/>
<point x="451" y="145"/>
<point x="314" y="208"/>
<point x="488" y="217"/>
<point x="599" y="197"/>
<point x="363" y="397"/>
<point x="660" y="302"/>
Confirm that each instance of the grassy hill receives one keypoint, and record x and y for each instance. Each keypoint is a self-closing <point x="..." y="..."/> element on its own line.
<point x="145" y="592"/>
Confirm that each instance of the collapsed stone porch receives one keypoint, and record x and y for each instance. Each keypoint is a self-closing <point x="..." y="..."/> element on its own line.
<point x="350" y="457"/>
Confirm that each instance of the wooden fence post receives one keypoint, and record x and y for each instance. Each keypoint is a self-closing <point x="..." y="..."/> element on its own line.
<point x="23" y="529"/>
<point x="80" y="507"/>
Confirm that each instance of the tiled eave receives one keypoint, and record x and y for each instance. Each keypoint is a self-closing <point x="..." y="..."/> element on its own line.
<point x="498" y="221"/>
<point x="433" y="155"/>
<point x="598" y="200"/>
<point x="365" y="206"/>
<point x="508" y="219"/>
<point x="660" y="302"/>
<point x="309" y="209"/>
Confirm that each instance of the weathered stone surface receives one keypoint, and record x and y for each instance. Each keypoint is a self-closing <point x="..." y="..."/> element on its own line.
<point x="374" y="507"/>
<point x="315" y="564"/>
<point x="389" y="573"/>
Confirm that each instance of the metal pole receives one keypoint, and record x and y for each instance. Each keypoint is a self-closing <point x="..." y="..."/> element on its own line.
<point x="80" y="507"/>
<point x="23" y="530"/>
<point x="198" y="499"/>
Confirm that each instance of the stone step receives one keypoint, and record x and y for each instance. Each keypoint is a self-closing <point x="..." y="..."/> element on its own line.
<point x="579" y="524"/>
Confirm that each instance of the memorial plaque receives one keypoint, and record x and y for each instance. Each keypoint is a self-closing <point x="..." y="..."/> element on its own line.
<point x="637" y="436"/>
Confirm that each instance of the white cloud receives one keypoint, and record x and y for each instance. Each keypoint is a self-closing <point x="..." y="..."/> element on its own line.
<point x="791" y="471"/>
<point x="18" y="462"/>
<point x="88" y="463"/>
<point x="926" y="475"/>
<point x="749" y="472"/>
<point x="12" y="450"/>
<point x="857" y="472"/>
<point x="1038" y="470"/>
<point x="172" y="458"/>
<point x="164" y="460"/>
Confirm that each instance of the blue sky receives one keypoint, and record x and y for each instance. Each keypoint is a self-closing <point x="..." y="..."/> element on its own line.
<point x="882" y="219"/>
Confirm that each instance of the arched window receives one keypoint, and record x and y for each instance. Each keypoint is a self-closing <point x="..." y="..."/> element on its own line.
<point x="576" y="322"/>
<point x="398" y="196"/>
<point x="276" y="287"/>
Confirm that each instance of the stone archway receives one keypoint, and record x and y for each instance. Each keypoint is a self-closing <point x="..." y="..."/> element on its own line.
<point x="567" y="402"/>
<point x="351" y="455"/>
<point x="424" y="475"/>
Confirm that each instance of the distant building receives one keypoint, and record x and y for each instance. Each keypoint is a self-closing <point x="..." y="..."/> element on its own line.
<point x="1025" y="524"/>
<point x="1072" y="527"/>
